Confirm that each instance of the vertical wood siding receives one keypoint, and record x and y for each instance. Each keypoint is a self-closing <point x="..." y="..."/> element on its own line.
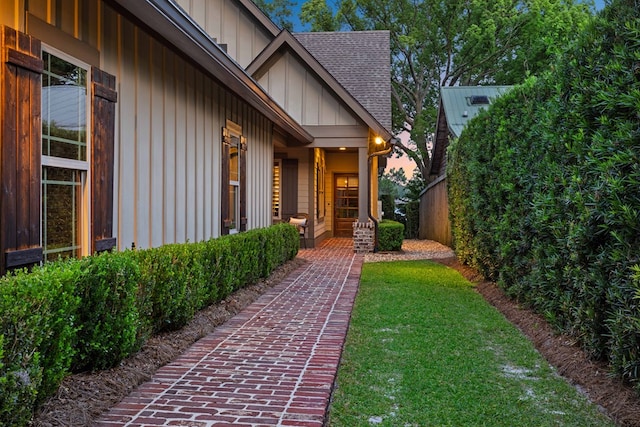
<point x="229" y="24"/>
<point x="168" y="128"/>
<point x="170" y="119"/>
<point x="434" y="214"/>
<point x="305" y="98"/>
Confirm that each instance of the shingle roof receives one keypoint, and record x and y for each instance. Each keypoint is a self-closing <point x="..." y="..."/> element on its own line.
<point x="360" y="61"/>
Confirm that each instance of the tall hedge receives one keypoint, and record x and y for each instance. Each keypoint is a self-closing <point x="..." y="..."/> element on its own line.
<point x="545" y="190"/>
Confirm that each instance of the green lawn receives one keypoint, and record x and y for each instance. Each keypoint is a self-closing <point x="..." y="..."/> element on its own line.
<point x="424" y="349"/>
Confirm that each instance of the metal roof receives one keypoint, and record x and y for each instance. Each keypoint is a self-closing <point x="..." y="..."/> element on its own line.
<point x="462" y="103"/>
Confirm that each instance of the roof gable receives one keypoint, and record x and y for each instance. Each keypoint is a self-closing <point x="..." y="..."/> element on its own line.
<point x="285" y="41"/>
<point x="360" y="62"/>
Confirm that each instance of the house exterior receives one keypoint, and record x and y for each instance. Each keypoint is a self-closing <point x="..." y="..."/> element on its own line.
<point x="125" y="123"/>
<point x="457" y="106"/>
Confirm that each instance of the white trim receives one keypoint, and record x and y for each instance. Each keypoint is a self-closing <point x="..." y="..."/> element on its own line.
<point x="80" y="165"/>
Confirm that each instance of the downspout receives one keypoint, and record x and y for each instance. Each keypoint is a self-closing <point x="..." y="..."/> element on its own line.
<point x="383" y="152"/>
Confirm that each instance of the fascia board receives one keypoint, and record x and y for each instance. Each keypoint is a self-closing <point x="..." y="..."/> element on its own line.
<point x="170" y="22"/>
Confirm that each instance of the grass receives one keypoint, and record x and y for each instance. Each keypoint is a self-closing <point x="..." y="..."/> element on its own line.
<point x="424" y="349"/>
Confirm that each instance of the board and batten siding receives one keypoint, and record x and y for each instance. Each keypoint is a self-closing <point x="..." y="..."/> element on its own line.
<point x="168" y="131"/>
<point x="169" y="139"/>
<point x="305" y="98"/>
<point x="229" y="24"/>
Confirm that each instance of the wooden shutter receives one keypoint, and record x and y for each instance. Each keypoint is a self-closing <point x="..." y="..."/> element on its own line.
<point x="289" y="188"/>
<point x="243" y="184"/>
<point x="224" y="179"/>
<point x="103" y="110"/>
<point x="20" y="149"/>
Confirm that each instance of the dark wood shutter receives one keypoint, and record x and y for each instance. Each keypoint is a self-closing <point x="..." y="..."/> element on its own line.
<point x="289" y="187"/>
<point x="103" y="110"/>
<point x="224" y="179"/>
<point x="20" y="149"/>
<point x="243" y="184"/>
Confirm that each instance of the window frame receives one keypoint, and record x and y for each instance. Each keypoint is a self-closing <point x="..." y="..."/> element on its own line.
<point x="82" y="166"/>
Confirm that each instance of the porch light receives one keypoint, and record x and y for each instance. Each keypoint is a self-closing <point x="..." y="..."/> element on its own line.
<point x="379" y="141"/>
<point x="343" y="148"/>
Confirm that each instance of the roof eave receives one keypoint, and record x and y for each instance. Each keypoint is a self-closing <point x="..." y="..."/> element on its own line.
<point x="170" y="22"/>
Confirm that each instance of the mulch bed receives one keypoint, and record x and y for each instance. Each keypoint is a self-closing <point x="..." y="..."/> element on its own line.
<point x="592" y="378"/>
<point x="82" y="398"/>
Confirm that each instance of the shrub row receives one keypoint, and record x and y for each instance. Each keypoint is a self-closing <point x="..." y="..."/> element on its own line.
<point x="87" y="314"/>
<point x="390" y="235"/>
<point x="544" y="190"/>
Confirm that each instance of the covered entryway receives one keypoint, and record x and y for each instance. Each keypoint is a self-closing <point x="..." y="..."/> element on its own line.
<point x="345" y="203"/>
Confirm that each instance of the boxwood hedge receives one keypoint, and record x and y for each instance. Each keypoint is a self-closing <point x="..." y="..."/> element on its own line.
<point x="87" y="314"/>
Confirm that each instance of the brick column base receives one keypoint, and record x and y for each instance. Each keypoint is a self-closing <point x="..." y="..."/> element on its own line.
<point x="364" y="235"/>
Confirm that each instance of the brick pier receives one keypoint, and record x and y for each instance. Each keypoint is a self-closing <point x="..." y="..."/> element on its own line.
<point x="273" y="364"/>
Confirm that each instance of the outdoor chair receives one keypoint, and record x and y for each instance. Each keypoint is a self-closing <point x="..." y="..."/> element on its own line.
<point x="300" y="221"/>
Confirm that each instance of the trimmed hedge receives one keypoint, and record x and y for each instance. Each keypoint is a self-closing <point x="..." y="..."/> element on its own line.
<point x="75" y="315"/>
<point x="543" y="191"/>
<point x="390" y="235"/>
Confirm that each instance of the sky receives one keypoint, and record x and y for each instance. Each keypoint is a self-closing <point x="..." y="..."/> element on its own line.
<point x="393" y="162"/>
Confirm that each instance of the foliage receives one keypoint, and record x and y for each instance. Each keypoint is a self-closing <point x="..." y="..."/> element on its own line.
<point x="319" y="15"/>
<point x="424" y="348"/>
<point x="107" y="316"/>
<point x="390" y="235"/>
<point x="278" y="10"/>
<point x="86" y="314"/>
<point x="412" y="219"/>
<point x="543" y="190"/>
<point x="436" y="43"/>
<point x="37" y="328"/>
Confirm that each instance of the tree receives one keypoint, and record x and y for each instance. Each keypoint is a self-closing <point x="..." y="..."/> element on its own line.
<point x="278" y="10"/>
<point x="319" y="15"/>
<point x="438" y="43"/>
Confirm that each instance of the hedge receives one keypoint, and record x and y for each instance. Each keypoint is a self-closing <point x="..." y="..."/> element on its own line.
<point x="88" y="314"/>
<point x="543" y="191"/>
<point x="390" y="235"/>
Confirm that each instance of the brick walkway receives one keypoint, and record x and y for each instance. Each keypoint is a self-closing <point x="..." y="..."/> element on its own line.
<point x="272" y="364"/>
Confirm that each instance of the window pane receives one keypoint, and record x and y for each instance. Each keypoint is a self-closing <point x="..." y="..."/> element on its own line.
<point x="275" y="203"/>
<point x="61" y="192"/>
<point x="233" y="206"/>
<point x="234" y="161"/>
<point x="64" y="109"/>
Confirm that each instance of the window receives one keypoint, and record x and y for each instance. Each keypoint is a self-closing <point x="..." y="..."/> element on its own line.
<point x="65" y="165"/>
<point x="275" y="201"/>
<point x="234" y="184"/>
<point x="233" y="208"/>
<point x="320" y="194"/>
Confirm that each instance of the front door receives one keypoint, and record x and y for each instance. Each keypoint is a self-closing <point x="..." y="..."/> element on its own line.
<point x="346" y="204"/>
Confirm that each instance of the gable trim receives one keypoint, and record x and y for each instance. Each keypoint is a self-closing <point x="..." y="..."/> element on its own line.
<point x="285" y="40"/>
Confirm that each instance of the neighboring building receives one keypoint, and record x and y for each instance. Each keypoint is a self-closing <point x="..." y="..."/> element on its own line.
<point x="457" y="106"/>
<point x="162" y="135"/>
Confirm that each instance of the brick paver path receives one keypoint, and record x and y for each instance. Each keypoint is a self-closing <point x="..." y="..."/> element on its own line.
<point x="272" y="364"/>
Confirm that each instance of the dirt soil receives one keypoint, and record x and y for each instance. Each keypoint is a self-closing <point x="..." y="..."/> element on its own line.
<point x="83" y="397"/>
